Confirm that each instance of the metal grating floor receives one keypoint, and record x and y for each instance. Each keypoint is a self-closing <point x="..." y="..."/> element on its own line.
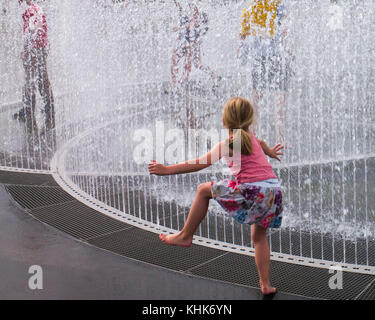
<point x="145" y="246"/>
<point x="22" y="178"/>
<point x="31" y="197"/>
<point x="78" y="220"/>
<point x="368" y="293"/>
<point x="295" y="279"/>
<point x="40" y="196"/>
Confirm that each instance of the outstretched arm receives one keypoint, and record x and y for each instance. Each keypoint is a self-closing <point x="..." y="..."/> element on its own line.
<point x="271" y="152"/>
<point x="217" y="152"/>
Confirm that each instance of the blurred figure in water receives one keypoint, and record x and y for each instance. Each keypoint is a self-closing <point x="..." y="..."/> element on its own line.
<point x="193" y="25"/>
<point x="34" y="57"/>
<point x="264" y="22"/>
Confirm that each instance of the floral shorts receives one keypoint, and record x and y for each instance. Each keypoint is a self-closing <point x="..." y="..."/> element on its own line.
<point x="251" y="203"/>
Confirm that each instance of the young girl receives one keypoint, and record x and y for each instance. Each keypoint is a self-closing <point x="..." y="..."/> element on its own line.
<point x="254" y="197"/>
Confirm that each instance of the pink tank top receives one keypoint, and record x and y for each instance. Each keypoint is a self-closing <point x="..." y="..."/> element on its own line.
<point x="251" y="168"/>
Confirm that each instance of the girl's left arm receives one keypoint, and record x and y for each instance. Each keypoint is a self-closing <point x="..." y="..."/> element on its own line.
<point x="271" y="152"/>
<point x="217" y="152"/>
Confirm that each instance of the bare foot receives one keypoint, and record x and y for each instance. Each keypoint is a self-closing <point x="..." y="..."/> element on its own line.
<point x="267" y="289"/>
<point x="175" y="240"/>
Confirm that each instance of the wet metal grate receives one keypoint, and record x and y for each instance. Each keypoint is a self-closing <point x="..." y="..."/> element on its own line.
<point x="78" y="220"/>
<point x="146" y="246"/>
<point x="368" y="293"/>
<point x="291" y="278"/>
<point x="23" y="178"/>
<point x="31" y="197"/>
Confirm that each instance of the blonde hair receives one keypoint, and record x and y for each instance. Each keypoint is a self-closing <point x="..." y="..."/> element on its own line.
<point x="239" y="114"/>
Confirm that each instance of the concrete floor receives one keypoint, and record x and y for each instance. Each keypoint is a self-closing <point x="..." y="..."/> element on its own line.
<point x="76" y="270"/>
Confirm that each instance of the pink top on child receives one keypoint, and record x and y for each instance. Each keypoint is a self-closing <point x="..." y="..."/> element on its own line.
<point x="251" y="168"/>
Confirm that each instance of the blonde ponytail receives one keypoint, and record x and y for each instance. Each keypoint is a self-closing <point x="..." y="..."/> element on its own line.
<point x="241" y="137"/>
<point x="239" y="115"/>
<point x="246" y="145"/>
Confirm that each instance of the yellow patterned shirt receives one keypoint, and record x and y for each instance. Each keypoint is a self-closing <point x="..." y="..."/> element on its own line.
<point x="259" y="18"/>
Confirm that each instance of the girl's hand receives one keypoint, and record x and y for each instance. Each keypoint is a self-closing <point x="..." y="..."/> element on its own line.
<point x="275" y="152"/>
<point x="157" y="168"/>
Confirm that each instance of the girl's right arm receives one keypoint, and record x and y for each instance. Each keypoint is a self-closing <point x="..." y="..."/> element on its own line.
<point x="216" y="153"/>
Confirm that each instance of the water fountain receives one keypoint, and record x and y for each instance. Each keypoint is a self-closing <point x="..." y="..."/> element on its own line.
<point x="117" y="107"/>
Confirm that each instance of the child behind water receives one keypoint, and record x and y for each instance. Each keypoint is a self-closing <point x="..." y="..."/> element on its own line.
<point x="255" y="196"/>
